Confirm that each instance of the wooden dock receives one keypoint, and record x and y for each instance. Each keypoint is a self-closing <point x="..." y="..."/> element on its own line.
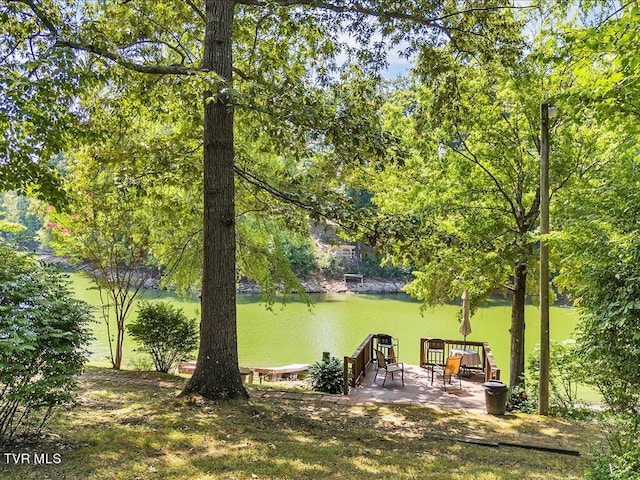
<point x="290" y="371"/>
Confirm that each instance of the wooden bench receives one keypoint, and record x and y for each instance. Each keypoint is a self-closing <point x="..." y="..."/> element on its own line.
<point x="353" y="277"/>
<point x="290" y="371"/>
<point x="189" y="368"/>
<point x="274" y="373"/>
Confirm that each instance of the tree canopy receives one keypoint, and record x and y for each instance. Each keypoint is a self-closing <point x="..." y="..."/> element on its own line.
<point x="285" y="56"/>
<point x="463" y="205"/>
<point x="243" y="120"/>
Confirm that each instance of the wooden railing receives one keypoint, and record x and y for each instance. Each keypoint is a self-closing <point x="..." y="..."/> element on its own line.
<point x="488" y="365"/>
<point x="356" y="365"/>
<point x="491" y="370"/>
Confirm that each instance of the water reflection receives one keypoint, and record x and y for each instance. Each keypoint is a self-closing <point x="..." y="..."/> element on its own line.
<point x="337" y="323"/>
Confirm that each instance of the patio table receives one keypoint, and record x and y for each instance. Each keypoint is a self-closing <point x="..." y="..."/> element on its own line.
<point x="469" y="357"/>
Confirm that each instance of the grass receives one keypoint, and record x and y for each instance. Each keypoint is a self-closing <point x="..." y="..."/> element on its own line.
<point x="130" y="425"/>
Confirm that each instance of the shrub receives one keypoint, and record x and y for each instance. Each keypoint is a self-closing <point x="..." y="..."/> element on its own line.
<point x="621" y="460"/>
<point x="625" y="466"/>
<point x="43" y="337"/>
<point x="301" y="257"/>
<point x="165" y="333"/>
<point x="332" y="266"/>
<point x="327" y="376"/>
<point x="564" y="375"/>
<point x="521" y="401"/>
<point x="142" y="363"/>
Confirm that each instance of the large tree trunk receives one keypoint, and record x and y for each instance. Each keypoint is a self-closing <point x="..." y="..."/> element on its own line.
<point x="517" y="325"/>
<point x="217" y="375"/>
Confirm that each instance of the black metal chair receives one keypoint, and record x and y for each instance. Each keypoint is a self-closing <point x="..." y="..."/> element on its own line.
<point x="389" y="345"/>
<point x="434" y="355"/>
<point x="388" y="367"/>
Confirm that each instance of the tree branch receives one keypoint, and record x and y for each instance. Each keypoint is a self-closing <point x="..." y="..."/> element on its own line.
<point x="40" y="14"/>
<point x="119" y="59"/>
<point x="488" y="172"/>
<point x="263" y="185"/>
<point x="196" y="9"/>
<point x="358" y="8"/>
<point x="288" y="197"/>
<point x="137" y="67"/>
<point x="179" y="253"/>
<point x="180" y="52"/>
<point x="380" y="12"/>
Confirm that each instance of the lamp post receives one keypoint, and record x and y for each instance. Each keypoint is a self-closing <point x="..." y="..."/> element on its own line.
<point x="547" y="111"/>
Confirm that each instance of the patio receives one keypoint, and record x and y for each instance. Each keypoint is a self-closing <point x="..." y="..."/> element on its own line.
<point x="361" y="385"/>
<point x="417" y="390"/>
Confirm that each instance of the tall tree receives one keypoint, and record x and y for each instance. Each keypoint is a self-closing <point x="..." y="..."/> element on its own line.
<point x="106" y="229"/>
<point x="468" y="197"/>
<point x="600" y="223"/>
<point x="34" y="127"/>
<point x="175" y="37"/>
<point x="599" y="237"/>
<point x="605" y="64"/>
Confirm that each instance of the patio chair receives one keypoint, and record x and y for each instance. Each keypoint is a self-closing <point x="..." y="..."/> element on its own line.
<point x="390" y="345"/>
<point x="434" y="357"/>
<point x="450" y="368"/>
<point x="388" y="367"/>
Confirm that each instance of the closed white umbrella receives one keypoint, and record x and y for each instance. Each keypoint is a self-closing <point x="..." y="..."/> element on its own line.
<point x="465" y="325"/>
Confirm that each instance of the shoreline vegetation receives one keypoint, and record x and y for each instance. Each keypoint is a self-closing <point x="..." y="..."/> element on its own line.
<point x="315" y="284"/>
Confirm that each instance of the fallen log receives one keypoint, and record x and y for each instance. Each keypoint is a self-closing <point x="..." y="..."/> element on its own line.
<point x="495" y="444"/>
<point x="474" y="441"/>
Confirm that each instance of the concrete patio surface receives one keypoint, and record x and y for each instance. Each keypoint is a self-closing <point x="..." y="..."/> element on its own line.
<point x="417" y="390"/>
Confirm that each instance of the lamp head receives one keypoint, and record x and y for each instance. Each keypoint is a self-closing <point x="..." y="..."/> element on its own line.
<point x="553" y="111"/>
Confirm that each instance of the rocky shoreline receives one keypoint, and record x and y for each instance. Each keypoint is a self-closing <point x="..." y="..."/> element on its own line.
<point x="323" y="285"/>
<point x="317" y="284"/>
<point x="373" y="286"/>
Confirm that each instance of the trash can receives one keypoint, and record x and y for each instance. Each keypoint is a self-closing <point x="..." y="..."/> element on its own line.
<point x="495" y="395"/>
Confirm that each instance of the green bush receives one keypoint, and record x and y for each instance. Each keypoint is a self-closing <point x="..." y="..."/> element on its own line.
<point x="376" y="267"/>
<point x="43" y="337"/>
<point x="301" y="257"/>
<point x="565" y="372"/>
<point x="142" y="363"/>
<point x="615" y="466"/>
<point x="327" y="376"/>
<point x="165" y="333"/>
<point x="332" y="266"/>
<point x="621" y="460"/>
<point x="521" y="401"/>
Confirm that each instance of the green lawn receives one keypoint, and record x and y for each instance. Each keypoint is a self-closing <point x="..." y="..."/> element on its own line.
<point x="130" y="425"/>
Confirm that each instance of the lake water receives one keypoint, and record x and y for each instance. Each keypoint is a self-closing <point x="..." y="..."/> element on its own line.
<point x="338" y="323"/>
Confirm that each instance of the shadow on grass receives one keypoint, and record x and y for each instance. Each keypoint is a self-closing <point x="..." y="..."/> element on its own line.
<point x="130" y="429"/>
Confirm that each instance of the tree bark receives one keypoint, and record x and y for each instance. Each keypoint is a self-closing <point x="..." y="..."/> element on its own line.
<point x="516" y="374"/>
<point x="217" y="375"/>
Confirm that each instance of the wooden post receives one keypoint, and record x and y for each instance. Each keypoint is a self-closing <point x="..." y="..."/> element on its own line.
<point x="423" y="358"/>
<point x="543" y="393"/>
<point x="345" y="381"/>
